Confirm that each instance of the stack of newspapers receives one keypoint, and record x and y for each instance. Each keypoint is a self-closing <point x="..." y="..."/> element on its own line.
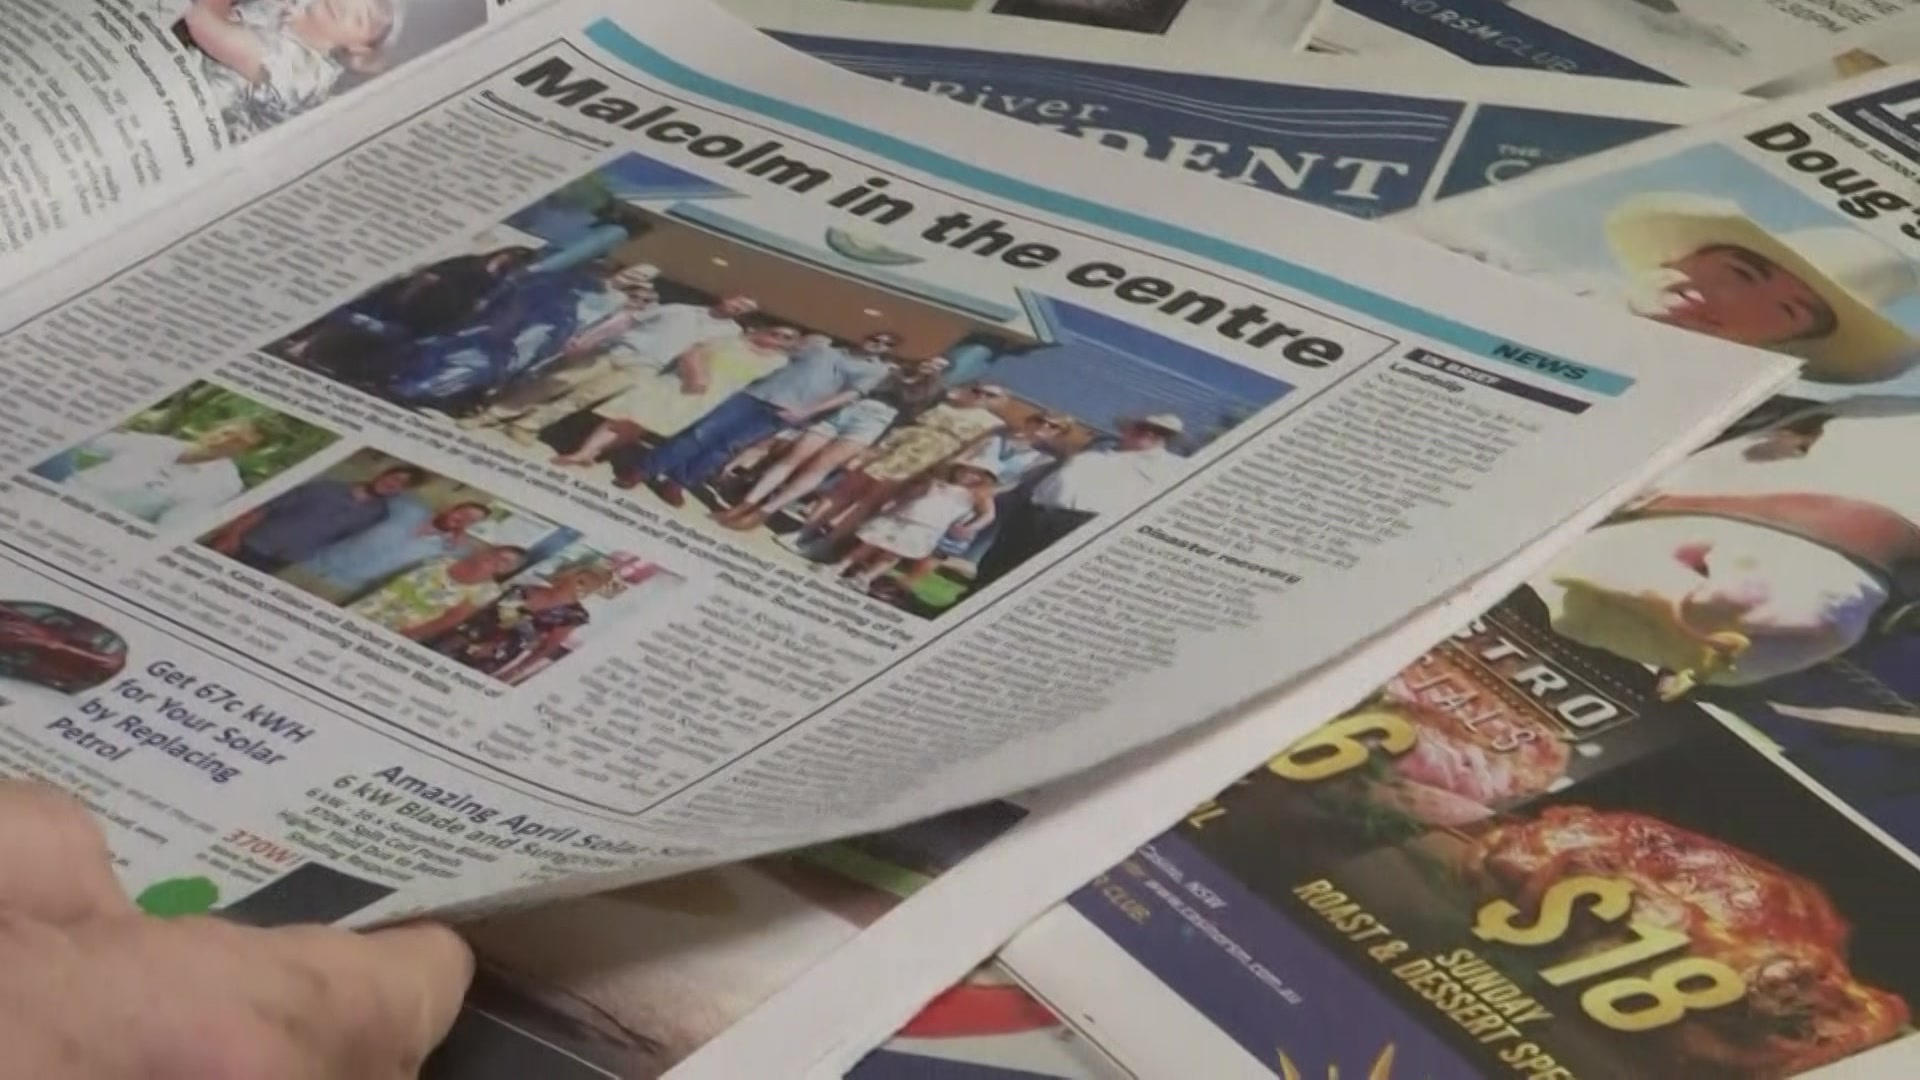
<point x="942" y="539"/>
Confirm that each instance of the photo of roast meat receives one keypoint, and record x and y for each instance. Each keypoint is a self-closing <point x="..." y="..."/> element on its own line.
<point x="1802" y="1006"/>
<point x="1478" y="749"/>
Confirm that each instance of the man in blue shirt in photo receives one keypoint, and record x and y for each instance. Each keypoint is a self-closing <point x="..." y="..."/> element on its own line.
<point x="818" y="378"/>
<point x="298" y="524"/>
<point x="412" y="533"/>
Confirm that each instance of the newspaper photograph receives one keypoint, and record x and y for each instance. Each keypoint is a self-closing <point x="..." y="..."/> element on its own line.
<point x="1730" y="44"/>
<point x="1367" y="145"/>
<point x="1687" y="741"/>
<point x="111" y="100"/>
<point x="1278" y="27"/>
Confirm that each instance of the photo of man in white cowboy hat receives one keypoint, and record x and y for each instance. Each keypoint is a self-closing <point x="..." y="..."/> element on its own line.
<point x="1701" y="263"/>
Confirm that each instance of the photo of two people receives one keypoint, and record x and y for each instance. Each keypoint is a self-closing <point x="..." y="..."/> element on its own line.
<point x="477" y="579"/>
<point x="913" y="443"/>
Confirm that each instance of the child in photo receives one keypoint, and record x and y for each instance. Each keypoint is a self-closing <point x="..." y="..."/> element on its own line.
<point x="957" y="504"/>
<point x="270" y="60"/>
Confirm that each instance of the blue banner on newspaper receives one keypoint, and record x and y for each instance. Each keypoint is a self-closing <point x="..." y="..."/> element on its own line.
<point x="1276" y="991"/>
<point x="1363" y="153"/>
<point x="1502" y="142"/>
<point x="1490" y="33"/>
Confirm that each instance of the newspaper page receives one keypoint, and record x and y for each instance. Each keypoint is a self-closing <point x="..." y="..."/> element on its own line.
<point x="1367" y="141"/>
<point x="106" y="101"/>
<point x="634" y="981"/>
<point x="648" y="1003"/>
<point x="1341" y="32"/>
<point x="988" y="1027"/>
<point x="304" y="540"/>
<point x="626" y="984"/>
<point x="1731" y="44"/>
<point x="1651" y="814"/>
<point x="1277" y="26"/>
<point x="985" y="1027"/>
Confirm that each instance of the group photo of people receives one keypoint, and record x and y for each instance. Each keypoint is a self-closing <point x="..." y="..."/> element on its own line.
<point x="912" y="443"/>
<point x="185" y="456"/>
<point x="267" y="61"/>
<point x="474" y="578"/>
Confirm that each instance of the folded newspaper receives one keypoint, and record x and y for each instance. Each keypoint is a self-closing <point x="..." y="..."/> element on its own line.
<point x="1359" y="137"/>
<point x="583" y="460"/>
<point x="1275" y="25"/>
<point x="1651" y="814"/>
<point x="107" y="101"/>
<point x="632" y="983"/>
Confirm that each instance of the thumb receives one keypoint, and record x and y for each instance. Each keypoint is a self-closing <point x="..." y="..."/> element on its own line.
<point x="57" y="865"/>
<point x="389" y="996"/>
<point x="431" y="967"/>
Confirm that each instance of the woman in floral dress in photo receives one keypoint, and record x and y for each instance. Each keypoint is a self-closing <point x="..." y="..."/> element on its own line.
<point x="529" y="623"/>
<point x="432" y="598"/>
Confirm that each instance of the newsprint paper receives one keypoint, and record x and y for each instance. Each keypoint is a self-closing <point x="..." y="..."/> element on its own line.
<point x="1652" y="813"/>
<point x="106" y="101"/>
<point x="1760" y="46"/>
<point x="1277" y="27"/>
<point x="373" y="547"/>
<point x="1363" y="138"/>
<point x="634" y="982"/>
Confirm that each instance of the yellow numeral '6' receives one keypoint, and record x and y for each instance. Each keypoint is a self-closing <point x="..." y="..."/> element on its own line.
<point x="1337" y="747"/>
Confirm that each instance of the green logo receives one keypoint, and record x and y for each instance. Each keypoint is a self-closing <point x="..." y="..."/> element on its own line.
<point x="872" y="252"/>
<point x="178" y="896"/>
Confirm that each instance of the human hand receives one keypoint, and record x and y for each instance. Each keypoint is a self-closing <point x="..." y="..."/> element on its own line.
<point x="96" y="990"/>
